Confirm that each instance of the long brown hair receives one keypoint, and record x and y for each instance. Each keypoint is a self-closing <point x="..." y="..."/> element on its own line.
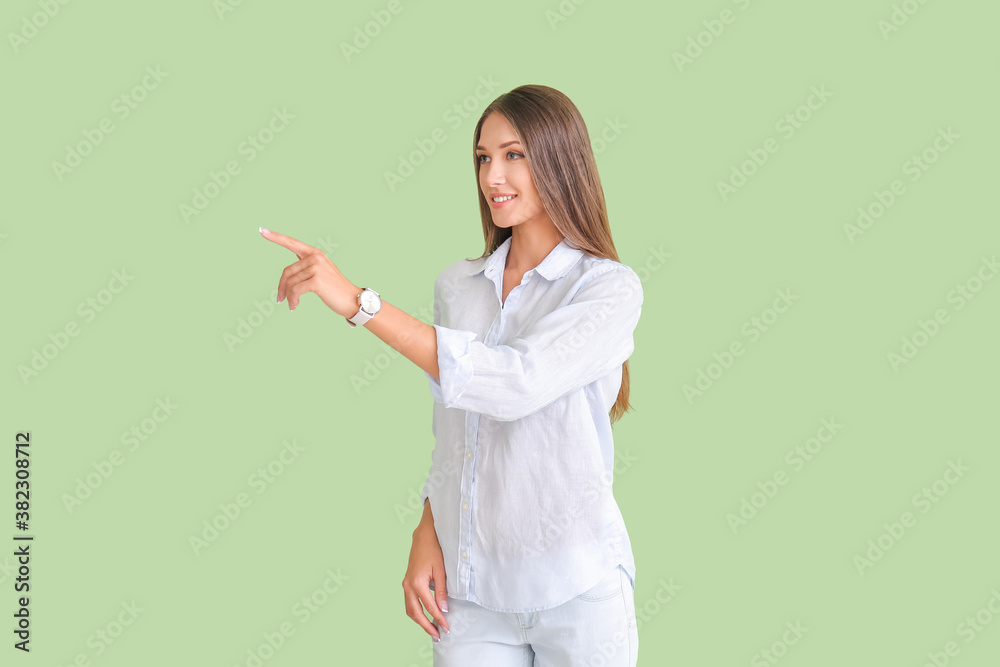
<point x="561" y="162"/>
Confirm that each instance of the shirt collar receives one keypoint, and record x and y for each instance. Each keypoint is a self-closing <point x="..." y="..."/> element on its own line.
<point x="555" y="265"/>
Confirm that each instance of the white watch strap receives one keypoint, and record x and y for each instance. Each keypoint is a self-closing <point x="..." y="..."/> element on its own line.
<point x="360" y="318"/>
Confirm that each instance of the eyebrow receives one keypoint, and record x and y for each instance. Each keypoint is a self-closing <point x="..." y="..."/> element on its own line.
<point x="509" y="143"/>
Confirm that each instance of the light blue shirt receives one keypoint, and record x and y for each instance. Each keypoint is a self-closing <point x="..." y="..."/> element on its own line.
<point x="521" y="475"/>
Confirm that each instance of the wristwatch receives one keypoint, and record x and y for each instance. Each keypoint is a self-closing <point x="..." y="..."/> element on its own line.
<point x="370" y="303"/>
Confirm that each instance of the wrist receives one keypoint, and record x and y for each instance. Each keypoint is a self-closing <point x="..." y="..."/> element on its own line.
<point x="352" y="295"/>
<point x="426" y="519"/>
<point x="425" y="530"/>
<point x="353" y="292"/>
<point x="366" y="305"/>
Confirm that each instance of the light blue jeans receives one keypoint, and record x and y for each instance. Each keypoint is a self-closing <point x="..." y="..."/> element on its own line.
<point x="595" y="629"/>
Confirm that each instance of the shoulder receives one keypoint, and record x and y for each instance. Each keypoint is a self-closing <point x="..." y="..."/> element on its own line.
<point x="605" y="274"/>
<point x="458" y="272"/>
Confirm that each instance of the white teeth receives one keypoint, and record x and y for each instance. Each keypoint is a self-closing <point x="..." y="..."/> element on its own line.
<point x="502" y="199"/>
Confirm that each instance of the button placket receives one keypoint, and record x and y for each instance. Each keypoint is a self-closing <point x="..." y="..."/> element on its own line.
<point x="492" y="337"/>
<point x="469" y="476"/>
<point x="513" y="297"/>
<point x="465" y="524"/>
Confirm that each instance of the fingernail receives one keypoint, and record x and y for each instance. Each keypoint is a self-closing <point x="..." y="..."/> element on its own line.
<point x="264" y="230"/>
<point x="444" y="605"/>
<point x="437" y="639"/>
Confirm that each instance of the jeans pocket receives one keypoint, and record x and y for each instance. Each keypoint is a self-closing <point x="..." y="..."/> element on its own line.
<point x="630" y="580"/>
<point x="633" y="625"/>
<point x="608" y="587"/>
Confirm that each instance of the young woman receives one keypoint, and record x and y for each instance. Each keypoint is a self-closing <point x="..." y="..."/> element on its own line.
<point x="527" y="361"/>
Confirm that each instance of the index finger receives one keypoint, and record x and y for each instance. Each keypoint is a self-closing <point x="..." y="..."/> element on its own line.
<point x="296" y="246"/>
<point x="434" y="609"/>
<point x="413" y="601"/>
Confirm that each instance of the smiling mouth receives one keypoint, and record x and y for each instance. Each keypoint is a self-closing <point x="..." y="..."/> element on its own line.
<point x="501" y="200"/>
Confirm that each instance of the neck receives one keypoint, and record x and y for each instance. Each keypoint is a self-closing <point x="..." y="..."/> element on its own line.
<point x="530" y="244"/>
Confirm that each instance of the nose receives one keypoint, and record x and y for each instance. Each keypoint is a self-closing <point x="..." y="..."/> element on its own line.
<point x="494" y="173"/>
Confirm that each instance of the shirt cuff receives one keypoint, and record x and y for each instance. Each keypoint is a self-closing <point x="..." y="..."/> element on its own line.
<point x="435" y="387"/>
<point x="454" y="364"/>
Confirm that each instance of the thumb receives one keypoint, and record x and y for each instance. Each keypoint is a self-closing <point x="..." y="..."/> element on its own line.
<point x="440" y="589"/>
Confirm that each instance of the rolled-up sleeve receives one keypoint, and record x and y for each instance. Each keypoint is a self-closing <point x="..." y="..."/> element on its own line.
<point x="454" y="364"/>
<point x="566" y="349"/>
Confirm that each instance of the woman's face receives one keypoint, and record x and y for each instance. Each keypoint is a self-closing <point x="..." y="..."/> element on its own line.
<point x="503" y="170"/>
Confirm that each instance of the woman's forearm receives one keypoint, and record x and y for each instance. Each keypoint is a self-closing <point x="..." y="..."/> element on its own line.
<point x="415" y="340"/>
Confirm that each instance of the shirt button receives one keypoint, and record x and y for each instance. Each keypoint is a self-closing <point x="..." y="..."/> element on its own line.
<point x="465" y="506"/>
<point x="469" y="455"/>
<point x="464" y="555"/>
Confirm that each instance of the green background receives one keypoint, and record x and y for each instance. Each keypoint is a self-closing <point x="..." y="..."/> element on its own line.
<point x="343" y="504"/>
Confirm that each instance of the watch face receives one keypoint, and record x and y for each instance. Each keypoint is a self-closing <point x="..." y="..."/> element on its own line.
<point x="370" y="301"/>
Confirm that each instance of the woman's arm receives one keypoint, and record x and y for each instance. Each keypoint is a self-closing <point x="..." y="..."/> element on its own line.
<point x="426" y="520"/>
<point x="426" y="565"/>
<point x="315" y="272"/>
<point x="415" y="340"/>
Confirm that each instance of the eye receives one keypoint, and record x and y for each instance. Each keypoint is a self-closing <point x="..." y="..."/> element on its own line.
<point x="479" y="158"/>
